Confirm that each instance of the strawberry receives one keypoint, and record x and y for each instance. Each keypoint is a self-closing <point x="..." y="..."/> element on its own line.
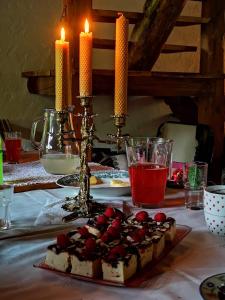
<point x="63" y="240"/>
<point x="141" y="216"/>
<point x="119" y="214"/>
<point x="116" y="223"/>
<point x="83" y="231"/>
<point x="136" y="237"/>
<point x="101" y="219"/>
<point x="141" y="232"/>
<point x="109" y="212"/>
<point x="118" y="250"/>
<point x="160" y="217"/>
<point x="90" y="244"/>
<point x="113" y="232"/>
<point x="105" y="237"/>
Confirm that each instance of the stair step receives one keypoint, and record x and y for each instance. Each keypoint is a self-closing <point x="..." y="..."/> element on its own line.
<point x="109" y="16"/>
<point x="158" y="84"/>
<point x="167" y="48"/>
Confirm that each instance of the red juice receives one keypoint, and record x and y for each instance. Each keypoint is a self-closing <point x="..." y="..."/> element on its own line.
<point x="13" y="148"/>
<point x="148" y="184"/>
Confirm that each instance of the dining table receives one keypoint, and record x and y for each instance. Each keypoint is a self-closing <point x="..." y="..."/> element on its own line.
<point x="36" y="221"/>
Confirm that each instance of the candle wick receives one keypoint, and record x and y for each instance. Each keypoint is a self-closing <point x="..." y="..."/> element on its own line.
<point x="120" y="14"/>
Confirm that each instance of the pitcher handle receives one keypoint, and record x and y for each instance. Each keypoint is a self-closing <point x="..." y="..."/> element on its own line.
<point x="33" y="133"/>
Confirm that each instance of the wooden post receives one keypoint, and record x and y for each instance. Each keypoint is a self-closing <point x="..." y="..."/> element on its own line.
<point x="211" y="110"/>
<point x="152" y="31"/>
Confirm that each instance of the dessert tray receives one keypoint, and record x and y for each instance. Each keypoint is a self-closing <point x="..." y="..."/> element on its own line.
<point x="105" y="187"/>
<point x="139" y="278"/>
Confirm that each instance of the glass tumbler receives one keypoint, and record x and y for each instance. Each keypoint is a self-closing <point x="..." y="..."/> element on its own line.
<point x="149" y="160"/>
<point x="13" y="146"/>
<point x="194" y="184"/>
<point x="6" y="197"/>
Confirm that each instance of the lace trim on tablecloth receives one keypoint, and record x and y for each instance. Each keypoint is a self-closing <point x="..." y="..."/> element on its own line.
<point x="33" y="173"/>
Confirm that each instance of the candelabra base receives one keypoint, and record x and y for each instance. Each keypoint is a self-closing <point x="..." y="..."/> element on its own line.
<point x="73" y="205"/>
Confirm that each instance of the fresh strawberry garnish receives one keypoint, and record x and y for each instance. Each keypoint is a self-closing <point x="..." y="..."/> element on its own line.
<point x="63" y="240"/>
<point x="105" y="237"/>
<point x="113" y="232"/>
<point x="118" y="214"/>
<point x="141" y="216"/>
<point x="116" y="223"/>
<point x="118" y="250"/>
<point x="141" y="232"/>
<point x="90" y="244"/>
<point x="83" y="231"/>
<point x="101" y="219"/>
<point x="160" y="217"/>
<point x="109" y="212"/>
<point x="136" y="237"/>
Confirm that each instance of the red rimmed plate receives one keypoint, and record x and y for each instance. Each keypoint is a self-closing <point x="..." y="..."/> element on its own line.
<point x="139" y="278"/>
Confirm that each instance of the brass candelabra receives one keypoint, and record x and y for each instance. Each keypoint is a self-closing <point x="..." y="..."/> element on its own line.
<point x="83" y="205"/>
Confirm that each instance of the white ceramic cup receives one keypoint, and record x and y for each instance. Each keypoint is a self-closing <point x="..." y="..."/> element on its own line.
<point x="214" y="209"/>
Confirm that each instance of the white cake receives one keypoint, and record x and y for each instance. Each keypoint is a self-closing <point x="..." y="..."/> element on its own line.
<point x="87" y="268"/>
<point x="59" y="261"/>
<point x="121" y="270"/>
<point x="110" y="246"/>
<point x="158" y="240"/>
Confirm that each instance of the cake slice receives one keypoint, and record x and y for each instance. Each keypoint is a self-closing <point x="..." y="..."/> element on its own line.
<point x="158" y="241"/>
<point x="142" y="244"/>
<point x="57" y="255"/>
<point x="87" y="267"/>
<point x="166" y="225"/>
<point x="119" y="265"/>
<point x="86" y="259"/>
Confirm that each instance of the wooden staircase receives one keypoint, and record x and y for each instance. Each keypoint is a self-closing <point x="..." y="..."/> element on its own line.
<point x="205" y="89"/>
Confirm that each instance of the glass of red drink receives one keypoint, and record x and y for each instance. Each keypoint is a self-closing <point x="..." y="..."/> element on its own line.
<point x="13" y="146"/>
<point x="149" y="161"/>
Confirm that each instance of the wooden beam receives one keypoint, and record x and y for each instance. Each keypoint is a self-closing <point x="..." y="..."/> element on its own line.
<point x="152" y="32"/>
<point x="141" y="83"/>
<point x="109" y="16"/>
<point x="211" y="108"/>
<point x="167" y="48"/>
<point x="190" y="21"/>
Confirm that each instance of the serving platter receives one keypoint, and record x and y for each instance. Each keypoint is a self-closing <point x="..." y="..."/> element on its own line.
<point x="141" y="277"/>
<point x="210" y="287"/>
<point x="105" y="188"/>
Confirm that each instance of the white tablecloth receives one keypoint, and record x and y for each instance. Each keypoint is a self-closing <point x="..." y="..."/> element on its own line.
<point x="198" y="256"/>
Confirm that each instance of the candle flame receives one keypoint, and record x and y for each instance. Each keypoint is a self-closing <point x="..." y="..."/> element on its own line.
<point x="62" y="34"/>
<point x="86" y="26"/>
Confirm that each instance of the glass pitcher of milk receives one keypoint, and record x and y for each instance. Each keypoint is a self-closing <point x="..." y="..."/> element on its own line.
<point x="57" y="155"/>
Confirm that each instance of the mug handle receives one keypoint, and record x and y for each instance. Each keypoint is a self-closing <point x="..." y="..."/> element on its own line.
<point x="36" y="144"/>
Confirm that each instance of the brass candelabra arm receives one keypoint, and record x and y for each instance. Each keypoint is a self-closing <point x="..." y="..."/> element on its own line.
<point x="119" y="138"/>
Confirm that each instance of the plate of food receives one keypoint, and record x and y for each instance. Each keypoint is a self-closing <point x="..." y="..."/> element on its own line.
<point x="115" y="249"/>
<point x="108" y="183"/>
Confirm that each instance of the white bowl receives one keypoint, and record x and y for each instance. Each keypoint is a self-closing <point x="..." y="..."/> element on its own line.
<point x="215" y="224"/>
<point x="214" y="200"/>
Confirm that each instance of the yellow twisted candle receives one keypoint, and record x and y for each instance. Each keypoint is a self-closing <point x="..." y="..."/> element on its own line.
<point x="63" y="95"/>
<point x="121" y="66"/>
<point x="86" y="61"/>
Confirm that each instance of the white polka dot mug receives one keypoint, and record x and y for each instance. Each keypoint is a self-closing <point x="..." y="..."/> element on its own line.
<point x="214" y="209"/>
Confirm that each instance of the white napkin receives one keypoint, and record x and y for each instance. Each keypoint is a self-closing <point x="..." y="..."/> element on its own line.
<point x="51" y="213"/>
